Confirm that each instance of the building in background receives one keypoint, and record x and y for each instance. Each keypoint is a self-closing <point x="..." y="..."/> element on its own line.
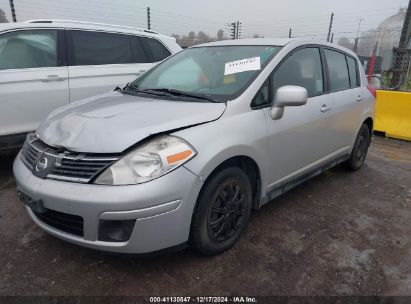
<point x="388" y="33"/>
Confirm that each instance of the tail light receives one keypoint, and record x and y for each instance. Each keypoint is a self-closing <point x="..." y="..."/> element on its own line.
<point x="372" y="90"/>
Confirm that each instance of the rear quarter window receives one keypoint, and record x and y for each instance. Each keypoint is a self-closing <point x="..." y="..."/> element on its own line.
<point x="156" y="49"/>
<point x="353" y="71"/>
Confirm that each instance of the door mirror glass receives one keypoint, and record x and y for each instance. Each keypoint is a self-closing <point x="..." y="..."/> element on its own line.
<point x="288" y="96"/>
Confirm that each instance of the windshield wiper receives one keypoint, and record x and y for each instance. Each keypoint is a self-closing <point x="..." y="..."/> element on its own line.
<point x="168" y="92"/>
<point x="133" y="88"/>
<point x="184" y="94"/>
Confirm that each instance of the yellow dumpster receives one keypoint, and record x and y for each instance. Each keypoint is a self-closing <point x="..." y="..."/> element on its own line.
<point x="393" y="114"/>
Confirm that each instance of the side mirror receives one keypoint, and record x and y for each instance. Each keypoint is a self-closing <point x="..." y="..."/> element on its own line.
<point x="287" y="96"/>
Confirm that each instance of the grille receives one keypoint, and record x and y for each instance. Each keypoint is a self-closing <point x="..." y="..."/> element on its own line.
<point x="64" y="165"/>
<point x="30" y="153"/>
<point x="72" y="224"/>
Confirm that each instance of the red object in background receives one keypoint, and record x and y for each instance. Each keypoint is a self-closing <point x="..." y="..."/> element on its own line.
<point x="203" y="78"/>
<point x="371" y="67"/>
<point x="372" y="90"/>
<point x="372" y="63"/>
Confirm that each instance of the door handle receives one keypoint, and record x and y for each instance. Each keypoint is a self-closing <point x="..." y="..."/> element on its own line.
<point x="53" y="78"/>
<point x="359" y="98"/>
<point x="325" y="108"/>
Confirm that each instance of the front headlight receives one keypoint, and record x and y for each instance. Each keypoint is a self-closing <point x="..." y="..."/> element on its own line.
<point x="147" y="162"/>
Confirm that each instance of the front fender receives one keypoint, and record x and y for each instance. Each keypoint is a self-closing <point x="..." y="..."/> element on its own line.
<point x="243" y="134"/>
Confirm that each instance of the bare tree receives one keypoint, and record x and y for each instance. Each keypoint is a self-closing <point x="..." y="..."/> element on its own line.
<point x="176" y="36"/>
<point x="3" y="18"/>
<point x="202" y="37"/>
<point x="220" y="35"/>
<point x="345" y="42"/>
<point x="191" y="38"/>
<point x="186" y="41"/>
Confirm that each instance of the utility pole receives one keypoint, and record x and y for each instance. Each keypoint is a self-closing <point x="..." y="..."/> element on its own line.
<point x="359" y="26"/>
<point x="148" y="19"/>
<point x="355" y="48"/>
<point x="400" y="53"/>
<point x="406" y="29"/>
<point x="290" y="33"/>
<point x="331" y="27"/>
<point x="233" y="30"/>
<point x="13" y="11"/>
<point x="332" y="38"/>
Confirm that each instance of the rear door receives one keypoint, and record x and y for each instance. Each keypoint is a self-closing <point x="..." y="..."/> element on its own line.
<point x="33" y="78"/>
<point x="100" y="61"/>
<point x="344" y="88"/>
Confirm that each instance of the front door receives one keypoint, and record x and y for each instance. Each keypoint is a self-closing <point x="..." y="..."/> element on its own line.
<point x="303" y="136"/>
<point x="33" y="79"/>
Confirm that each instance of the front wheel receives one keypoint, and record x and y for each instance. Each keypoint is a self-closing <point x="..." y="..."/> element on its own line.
<point x="360" y="149"/>
<point x="222" y="212"/>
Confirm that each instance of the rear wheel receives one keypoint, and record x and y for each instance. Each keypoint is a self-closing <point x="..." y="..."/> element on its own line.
<point x="222" y="212"/>
<point x="360" y="149"/>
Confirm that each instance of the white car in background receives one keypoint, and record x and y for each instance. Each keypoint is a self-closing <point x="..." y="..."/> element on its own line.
<point x="45" y="64"/>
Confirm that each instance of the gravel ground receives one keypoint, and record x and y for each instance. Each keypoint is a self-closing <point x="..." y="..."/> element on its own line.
<point x="340" y="233"/>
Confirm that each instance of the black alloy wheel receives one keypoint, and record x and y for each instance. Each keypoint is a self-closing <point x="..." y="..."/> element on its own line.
<point x="222" y="211"/>
<point x="228" y="207"/>
<point x="360" y="149"/>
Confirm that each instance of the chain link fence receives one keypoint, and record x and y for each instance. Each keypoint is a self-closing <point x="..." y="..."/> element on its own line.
<point x="392" y="71"/>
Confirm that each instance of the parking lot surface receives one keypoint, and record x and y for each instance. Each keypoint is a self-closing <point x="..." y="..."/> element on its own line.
<point x="340" y="233"/>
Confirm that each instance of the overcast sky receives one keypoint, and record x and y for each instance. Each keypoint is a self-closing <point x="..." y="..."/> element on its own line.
<point x="270" y="18"/>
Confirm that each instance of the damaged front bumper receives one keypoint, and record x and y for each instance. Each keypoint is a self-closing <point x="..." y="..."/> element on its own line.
<point x="130" y="219"/>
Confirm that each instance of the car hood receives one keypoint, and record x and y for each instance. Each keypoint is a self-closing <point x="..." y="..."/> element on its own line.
<point x="112" y="122"/>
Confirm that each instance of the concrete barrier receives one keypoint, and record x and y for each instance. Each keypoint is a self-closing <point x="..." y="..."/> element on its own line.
<point x="393" y="114"/>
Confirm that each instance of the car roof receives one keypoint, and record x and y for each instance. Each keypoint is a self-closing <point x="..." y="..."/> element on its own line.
<point x="252" y="41"/>
<point x="276" y="42"/>
<point x="75" y="24"/>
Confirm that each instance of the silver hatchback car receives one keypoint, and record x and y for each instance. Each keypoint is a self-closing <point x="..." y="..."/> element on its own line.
<point x="185" y="152"/>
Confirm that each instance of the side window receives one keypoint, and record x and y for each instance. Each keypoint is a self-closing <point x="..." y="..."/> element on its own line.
<point x="28" y="49"/>
<point x="156" y="48"/>
<point x="337" y="70"/>
<point x="262" y="97"/>
<point x="96" y="48"/>
<point x="352" y="68"/>
<point x="303" y="68"/>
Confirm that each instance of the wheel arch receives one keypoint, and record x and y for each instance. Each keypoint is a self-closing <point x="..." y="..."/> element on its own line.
<point x="251" y="169"/>
<point x="370" y="124"/>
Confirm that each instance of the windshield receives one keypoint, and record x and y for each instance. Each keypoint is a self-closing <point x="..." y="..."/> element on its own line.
<point x="218" y="72"/>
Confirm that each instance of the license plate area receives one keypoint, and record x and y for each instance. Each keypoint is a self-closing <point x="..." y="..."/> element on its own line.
<point x="35" y="205"/>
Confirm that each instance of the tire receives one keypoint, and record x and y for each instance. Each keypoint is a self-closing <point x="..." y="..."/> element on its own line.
<point x="360" y="149"/>
<point x="222" y="212"/>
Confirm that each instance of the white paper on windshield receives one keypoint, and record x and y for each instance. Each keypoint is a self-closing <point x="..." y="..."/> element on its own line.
<point x="243" y="65"/>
